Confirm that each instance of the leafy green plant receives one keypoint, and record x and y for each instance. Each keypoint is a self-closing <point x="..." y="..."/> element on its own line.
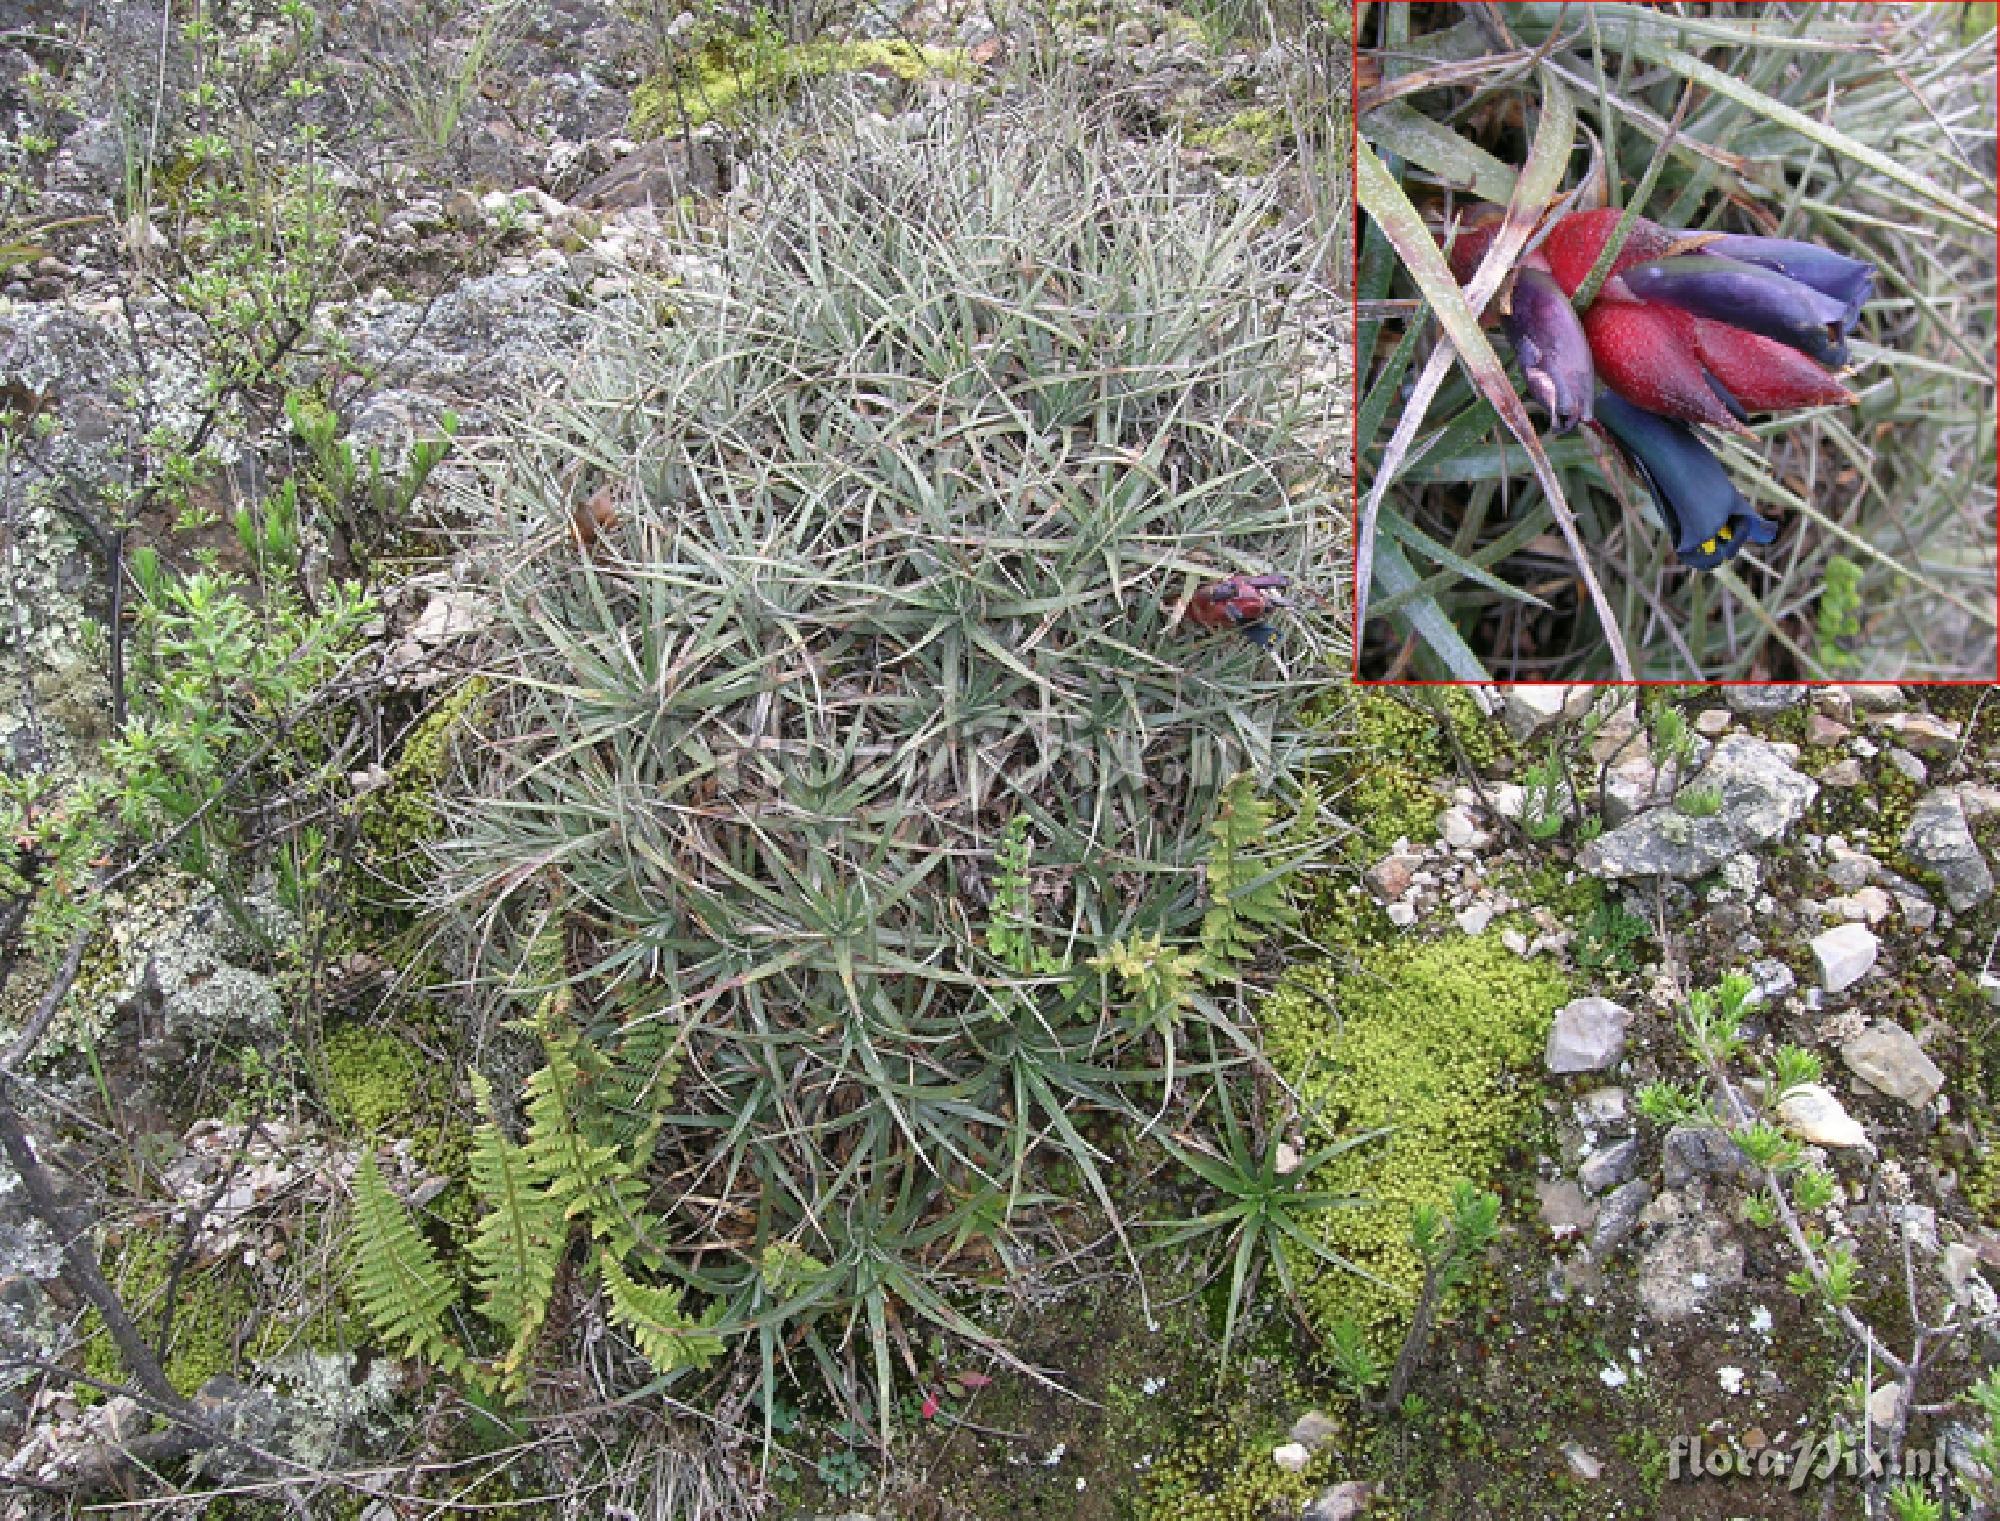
<point x="1261" y="1221"/>
<point x="398" y="1281"/>
<point x="1448" y="1245"/>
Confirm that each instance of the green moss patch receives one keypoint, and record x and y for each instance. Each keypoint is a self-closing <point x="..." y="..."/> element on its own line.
<point x="733" y="72"/>
<point x="1435" y="1041"/>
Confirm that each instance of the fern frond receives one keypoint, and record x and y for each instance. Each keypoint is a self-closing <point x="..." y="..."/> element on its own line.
<point x="518" y="1244"/>
<point x="1248" y="900"/>
<point x="585" y="1174"/>
<point x="402" y="1289"/>
<point x="1010" y="933"/>
<point x="1159" y="984"/>
<point x="670" y="1338"/>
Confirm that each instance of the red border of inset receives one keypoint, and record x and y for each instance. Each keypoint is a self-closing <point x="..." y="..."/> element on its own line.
<point x="1354" y="409"/>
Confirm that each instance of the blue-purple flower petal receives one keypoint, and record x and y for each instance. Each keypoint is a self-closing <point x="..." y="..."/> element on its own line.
<point x="1849" y="281"/>
<point x="1704" y="512"/>
<point x="1747" y="296"/>
<point x="1555" y="356"/>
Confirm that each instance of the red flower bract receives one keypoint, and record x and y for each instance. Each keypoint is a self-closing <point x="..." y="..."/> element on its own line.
<point x="1667" y="359"/>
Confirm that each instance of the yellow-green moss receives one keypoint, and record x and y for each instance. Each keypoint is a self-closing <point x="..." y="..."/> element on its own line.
<point x="401" y="816"/>
<point x="211" y="1307"/>
<point x="1226" y="1474"/>
<point x="1249" y="141"/>
<point x="373" y="1077"/>
<point x="1435" y="1040"/>
<point x="1399" y="745"/>
<point x="734" y="71"/>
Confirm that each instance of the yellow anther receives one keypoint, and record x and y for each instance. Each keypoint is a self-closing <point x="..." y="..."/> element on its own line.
<point x="1725" y="533"/>
<point x="1708" y="546"/>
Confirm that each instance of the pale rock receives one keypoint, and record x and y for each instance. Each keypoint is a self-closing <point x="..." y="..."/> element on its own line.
<point x="1713" y="723"/>
<point x="1907" y="765"/>
<point x="1940" y="840"/>
<point x="1845" y="772"/>
<point x="1582" y="1462"/>
<point x="1887" y="1058"/>
<point x="1845" y="954"/>
<point x="1292" y="1457"/>
<point x="1682" y="1270"/>
<point x="1313" y="1430"/>
<point x="1762" y="701"/>
<point x="1921" y="732"/>
<point x="1456" y="829"/>
<point x="1824" y="731"/>
<point x="1871" y="697"/>
<point x="1602" y="1106"/>
<point x="1813" y="1114"/>
<point x="1564" y="1209"/>
<point x="1869" y="906"/>
<point x="1343" y="1502"/>
<point x="1763" y="796"/>
<point x="1588" y="1035"/>
<point x="1390" y="877"/>
<point x="1882" y="1405"/>
<point x="1607" y="1167"/>
<point x="1402" y="915"/>
<point x="1530" y="709"/>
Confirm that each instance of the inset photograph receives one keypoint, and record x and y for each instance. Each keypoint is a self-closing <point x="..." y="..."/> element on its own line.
<point x="1675" y="343"/>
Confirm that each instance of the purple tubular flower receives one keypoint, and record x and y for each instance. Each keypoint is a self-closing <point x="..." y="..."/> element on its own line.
<point x="1700" y="506"/>
<point x="1555" y="356"/>
<point x="1749" y="296"/>
<point x="1849" y="281"/>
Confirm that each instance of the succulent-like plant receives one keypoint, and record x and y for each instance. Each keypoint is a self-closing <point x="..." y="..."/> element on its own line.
<point x="915" y="466"/>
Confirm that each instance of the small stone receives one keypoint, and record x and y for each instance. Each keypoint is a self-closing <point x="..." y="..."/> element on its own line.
<point x="1870" y="906"/>
<point x="1961" y="1266"/>
<point x="1824" y="731"/>
<point x="1532" y="708"/>
<point x="1313" y="1430"/>
<point x="1564" y="1209"/>
<point x="1402" y="915"/>
<point x="1292" y="1457"/>
<point x="1713" y="723"/>
<point x="1922" y="732"/>
<point x="1770" y="980"/>
<point x="1343" y="1502"/>
<point x="1907" y="765"/>
<point x="1848" y="869"/>
<point x="1618" y="1216"/>
<point x="1588" y="1035"/>
<point x="1390" y="877"/>
<point x="1887" y="1057"/>
<point x="462" y="209"/>
<point x="1845" y="772"/>
<point x="1939" y="840"/>
<point x="1812" y="1113"/>
<point x="1607" y="1167"/>
<point x="1602" y="1106"/>
<point x="1701" y="1151"/>
<point x="1875" y="697"/>
<point x="1845" y="955"/>
<point x="1882" y="1406"/>
<point x="1456" y="829"/>
<point x="1682" y="1269"/>
<point x="1515" y="941"/>
<point x="1285" y="1159"/>
<point x="1581" y="1462"/>
<point x="1918" y="911"/>
<point x="1473" y="920"/>
<point x="1763" y="795"/>
<point x="1762" y="701"/>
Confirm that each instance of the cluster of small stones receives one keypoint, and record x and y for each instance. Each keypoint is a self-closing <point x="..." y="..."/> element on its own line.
<point x="1647" y="1221"/>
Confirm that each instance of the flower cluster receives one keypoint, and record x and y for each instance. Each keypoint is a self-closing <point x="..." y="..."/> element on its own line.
<point x="1687" y="328"/>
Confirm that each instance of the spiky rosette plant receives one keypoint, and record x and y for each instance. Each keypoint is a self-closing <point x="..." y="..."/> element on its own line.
<point x="860" y="542"/>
